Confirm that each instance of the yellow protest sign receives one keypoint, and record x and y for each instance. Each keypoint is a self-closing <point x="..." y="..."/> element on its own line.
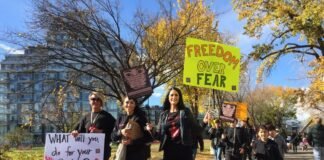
<point x="241" y="112"/>
<point x="211" y="65"/>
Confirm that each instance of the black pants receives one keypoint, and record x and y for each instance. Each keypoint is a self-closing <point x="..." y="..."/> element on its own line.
<point x="137" y="152"/>
<point x="173" y="151"/>
<point x="230" y="155"/>
<point x="247" y="154"/>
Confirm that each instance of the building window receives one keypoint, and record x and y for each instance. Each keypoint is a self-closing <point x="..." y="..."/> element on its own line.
<point x="3" y="88"/>
<point x="3" y="97"/>
<point x="13" y="77"/>
<point x="26" y="97"/>
<point x="24" y="77"/>
<point x="3" y="76"/>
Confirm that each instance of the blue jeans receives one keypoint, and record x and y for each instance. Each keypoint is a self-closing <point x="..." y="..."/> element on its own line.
<point x="194" y="153"/>
<point x="318" y="153"/>
<point x="218" y="153"/>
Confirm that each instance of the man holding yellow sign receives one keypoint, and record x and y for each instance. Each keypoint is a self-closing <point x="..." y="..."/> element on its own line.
<point x="211" y="65"/>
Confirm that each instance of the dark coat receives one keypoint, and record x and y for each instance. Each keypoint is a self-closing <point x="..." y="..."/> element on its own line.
<point x="316" y="135"/>
<point x="266" y="150"/>
<point x="215" y="135"/>
<point x="237" y="141"/>
<point x="104" y="121"/>
<point x="188" y="128"/>
<point x="137" y="149"/>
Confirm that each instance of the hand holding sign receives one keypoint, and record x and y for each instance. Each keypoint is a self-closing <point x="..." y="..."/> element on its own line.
<point x="75" y="133"/>
<point x="207" y="117"/>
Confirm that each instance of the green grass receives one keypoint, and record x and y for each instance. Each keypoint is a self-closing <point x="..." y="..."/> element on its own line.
<point x="36" y="153"/>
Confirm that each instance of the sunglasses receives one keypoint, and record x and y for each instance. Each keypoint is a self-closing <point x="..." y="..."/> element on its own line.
<point x="95" y="99"/>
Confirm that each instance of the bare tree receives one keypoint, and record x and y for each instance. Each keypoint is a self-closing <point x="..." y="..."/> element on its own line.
<point x="91" y="38"/>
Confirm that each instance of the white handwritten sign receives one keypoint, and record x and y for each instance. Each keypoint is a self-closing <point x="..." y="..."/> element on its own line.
<point x="63" y="146"/>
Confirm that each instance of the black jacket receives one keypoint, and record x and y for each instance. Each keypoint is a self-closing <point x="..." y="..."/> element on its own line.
<point x="316" y="135"/>
<point x="266" y="150"/>
<point x="215" y="135"/>
<point x="237" y="141"/>
<point x="188" y="128"/>
<point x="135" y="150"/>
<point x="104" y="121"/>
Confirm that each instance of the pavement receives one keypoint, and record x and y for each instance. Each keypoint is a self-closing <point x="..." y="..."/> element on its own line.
<point x="300" y="155"/>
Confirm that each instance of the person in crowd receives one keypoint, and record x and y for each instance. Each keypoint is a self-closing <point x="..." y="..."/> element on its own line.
<point x="135" y="139"/>
<point x="249" y="135"/>
<point x="215" y="131"/>
<point x="198" y="143"/>
<point x="97" y="121"/>
<point x="176" y="128"/>
<point x="235" y="141"/>
<point x="265" y="148"/>
<point x="294" y="141"/>
<point x="304" y="142"/>
<point x="288" y="140"/>
<point x="281" y="142"/>
<point x="316" y="138"/>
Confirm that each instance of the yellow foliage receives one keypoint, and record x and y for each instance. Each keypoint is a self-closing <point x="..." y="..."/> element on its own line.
<point x="193" y="19"/>
<point x="303" y="17"/>
<point x="287" y="19"/>
<point x="315" y="95"/>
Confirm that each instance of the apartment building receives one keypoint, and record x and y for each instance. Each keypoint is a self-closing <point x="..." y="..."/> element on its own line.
<point x="25" y="95"/>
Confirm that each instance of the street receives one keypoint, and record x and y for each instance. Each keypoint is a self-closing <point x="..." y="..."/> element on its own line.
<point x="300" y="155"/>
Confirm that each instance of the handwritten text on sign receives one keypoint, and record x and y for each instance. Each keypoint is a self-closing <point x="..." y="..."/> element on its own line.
<point x="63" y="146"/>
<point x="211" y="65"/>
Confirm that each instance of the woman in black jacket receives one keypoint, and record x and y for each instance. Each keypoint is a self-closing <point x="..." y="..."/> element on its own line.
<point x="176" y="128"/>
<point x="122" y="133"/>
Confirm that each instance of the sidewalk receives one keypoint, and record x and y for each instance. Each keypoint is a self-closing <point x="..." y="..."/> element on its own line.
<point x="300" y="155"/>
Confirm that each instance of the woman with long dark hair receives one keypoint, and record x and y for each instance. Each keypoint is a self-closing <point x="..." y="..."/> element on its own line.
<point x="129" y="130"/>
<point x="176" y="128"/>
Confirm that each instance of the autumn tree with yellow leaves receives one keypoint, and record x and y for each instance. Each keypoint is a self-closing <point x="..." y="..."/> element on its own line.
<point x="287" y="21"/>
<point x="58" y="110"/>
<point x="313" y="97"/>
<point x="269" y="104"/>
<point x="193" y="19"/>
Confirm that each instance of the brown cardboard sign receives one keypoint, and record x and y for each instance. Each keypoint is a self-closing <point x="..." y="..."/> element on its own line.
<point x="137" y="82"/>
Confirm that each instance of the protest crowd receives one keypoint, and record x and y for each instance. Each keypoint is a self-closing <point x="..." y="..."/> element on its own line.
<point x="180" y="134"/>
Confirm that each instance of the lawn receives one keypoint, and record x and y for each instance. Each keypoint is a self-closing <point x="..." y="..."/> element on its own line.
<point x="36" y="153"/>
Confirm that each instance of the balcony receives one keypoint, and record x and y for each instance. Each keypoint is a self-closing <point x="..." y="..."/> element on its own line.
<point x="4" y="101"/>
<point x="3" y="123"/>
<point x="4" y="80"/>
